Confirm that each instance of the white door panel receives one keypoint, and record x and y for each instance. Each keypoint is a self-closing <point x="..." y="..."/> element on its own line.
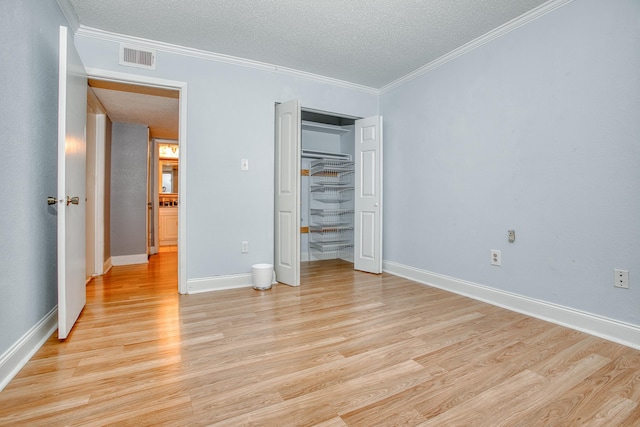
<point x="367" y="246"/>
<point x="287" y="193"/>
<point x="286" y="222"/>
<point x="72" y="115"/>
<point x="368" y="195"/>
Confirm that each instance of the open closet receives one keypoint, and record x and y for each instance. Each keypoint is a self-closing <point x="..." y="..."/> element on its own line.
<point x="327" y="187"/>
<point x="328" y="190"/>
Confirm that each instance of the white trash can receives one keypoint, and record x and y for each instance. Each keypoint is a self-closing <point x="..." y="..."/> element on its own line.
<point x="262" y="274"/>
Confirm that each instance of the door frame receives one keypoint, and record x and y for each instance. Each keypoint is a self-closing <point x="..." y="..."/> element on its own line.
<point x="155" y="159"/>
<point x="181" y="87"/>
<point x="97" y="236"/>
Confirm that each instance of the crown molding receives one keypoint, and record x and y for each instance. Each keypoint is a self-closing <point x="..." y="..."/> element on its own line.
<point x="70" y="14"/>
<point x="95" y="33"/>
<point x="500" y="31"/>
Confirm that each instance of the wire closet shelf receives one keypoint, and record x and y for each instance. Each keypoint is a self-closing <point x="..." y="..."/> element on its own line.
<point x="331" y="172"/>
<point x="331" y="230"/>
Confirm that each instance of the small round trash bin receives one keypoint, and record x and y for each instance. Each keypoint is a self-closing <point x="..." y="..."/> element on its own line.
<point x="261" y="274"/>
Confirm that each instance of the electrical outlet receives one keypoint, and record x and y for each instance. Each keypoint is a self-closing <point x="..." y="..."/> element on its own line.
<point x="496" y="258"/>
<point x="245" y="247"/>
<point x="621" y="278"/>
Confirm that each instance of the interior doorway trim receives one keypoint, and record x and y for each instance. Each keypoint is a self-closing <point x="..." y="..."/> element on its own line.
<point x="100" y="74"/>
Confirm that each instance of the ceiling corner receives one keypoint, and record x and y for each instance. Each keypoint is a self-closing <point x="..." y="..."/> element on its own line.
<point x="70" y="14"/>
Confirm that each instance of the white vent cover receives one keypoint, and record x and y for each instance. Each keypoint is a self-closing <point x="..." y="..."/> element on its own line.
<point x="135" y="57"/>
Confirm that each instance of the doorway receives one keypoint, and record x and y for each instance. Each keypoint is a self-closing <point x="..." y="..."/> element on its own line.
<point x="164" y="186"/>
<point x="131" y="85"/>
<point x="345" y="185"/>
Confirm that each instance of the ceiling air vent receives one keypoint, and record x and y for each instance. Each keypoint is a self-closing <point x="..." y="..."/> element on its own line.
<point x="136" y="57"/>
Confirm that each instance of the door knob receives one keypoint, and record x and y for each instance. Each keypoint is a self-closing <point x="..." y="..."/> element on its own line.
<point x="73" y="200"/>
<point x="52" y="200"/>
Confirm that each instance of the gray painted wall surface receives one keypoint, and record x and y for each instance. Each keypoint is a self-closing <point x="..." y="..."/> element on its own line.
<point x="28" y="131"/>
<point x="128" y="199"/>
<point x="536" y="131"/>
<point x="230" y="117"/>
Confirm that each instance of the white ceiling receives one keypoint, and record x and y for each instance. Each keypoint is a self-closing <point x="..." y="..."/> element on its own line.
<point x="367" y="42"/>
<point x="154" y="107"/>
<point x="163" y="123"/>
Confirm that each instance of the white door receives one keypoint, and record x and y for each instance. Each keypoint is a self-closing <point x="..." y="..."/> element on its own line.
<point x="287" y="193"/>
<point x="368" y="195"/>
<point x="72" y="115"/>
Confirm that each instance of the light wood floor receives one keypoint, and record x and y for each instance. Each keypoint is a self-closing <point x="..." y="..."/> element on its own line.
<point x="346" y="348"/>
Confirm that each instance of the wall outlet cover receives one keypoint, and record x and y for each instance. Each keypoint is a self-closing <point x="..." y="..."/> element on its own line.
<point x="496" y="257"/>
<point x="621" y="278"/>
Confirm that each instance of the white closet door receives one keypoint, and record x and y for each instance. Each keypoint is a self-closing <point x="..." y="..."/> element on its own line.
<point x="72" y="116"/>
<point x="368" y="195"/>
<point x="287" y="193"/>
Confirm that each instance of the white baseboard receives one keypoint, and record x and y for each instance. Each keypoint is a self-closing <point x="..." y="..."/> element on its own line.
<point x="219" y="283"/>
<point x="130" y="259"/>
<point x="19" y="353"/>
<point x="107" y="266"/>
<point x="612" y="330"/>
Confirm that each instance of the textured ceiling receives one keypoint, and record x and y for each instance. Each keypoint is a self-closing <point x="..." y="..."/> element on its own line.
<point x="156" y="108"/>
<point x="368" y="42"/>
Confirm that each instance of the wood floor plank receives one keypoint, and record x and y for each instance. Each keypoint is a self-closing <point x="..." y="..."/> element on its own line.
<point x="345" y="348"/>
<point x="488" y="406"/>
<point x="451" y="388"/>
<point x="619" y="377"/>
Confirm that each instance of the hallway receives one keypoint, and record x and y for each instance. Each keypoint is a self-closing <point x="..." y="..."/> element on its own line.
<point x="135" y="282"/>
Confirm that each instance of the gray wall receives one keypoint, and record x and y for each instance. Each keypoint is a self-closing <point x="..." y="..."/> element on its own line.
<point x="230" y="116"/>
<point x="128" y="198"/>
<point x="536" y="131"/>
<point x="28" y="131"/>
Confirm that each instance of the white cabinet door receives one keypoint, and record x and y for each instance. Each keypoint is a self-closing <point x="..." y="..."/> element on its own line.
<point x="168" y="226"/>
<point x="287" y="193"/>
<point x="367" y="249"/>
<point x="72" y="116"/>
